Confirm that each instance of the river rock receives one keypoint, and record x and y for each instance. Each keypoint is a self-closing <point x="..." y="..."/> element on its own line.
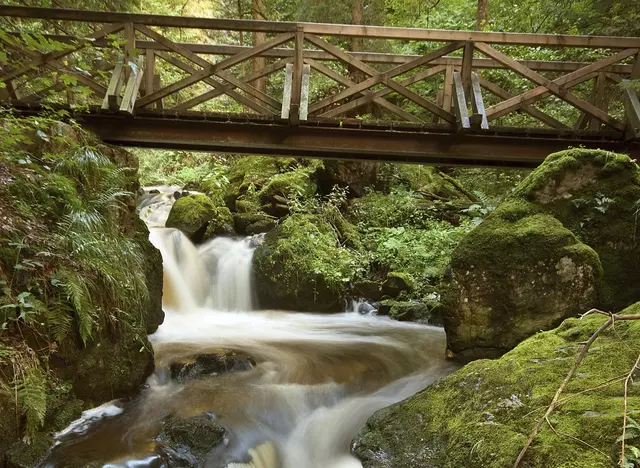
<point x="519" y="272"/>
<point x="301" y="267"/>
<point x="595" y="195"/>
<point x="368" y="289"/>
<point x="200" y="218"/>
<point x="480" y="416"/>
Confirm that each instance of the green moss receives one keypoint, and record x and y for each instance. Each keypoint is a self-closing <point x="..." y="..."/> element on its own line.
<point x="498" y="402"/>
<point x="301" y="266"/>
<point x="290" y="185"/>
<point x="192" y="214"/>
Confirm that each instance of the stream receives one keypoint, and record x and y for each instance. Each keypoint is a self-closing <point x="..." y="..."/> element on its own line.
<point x="309" y="384"/>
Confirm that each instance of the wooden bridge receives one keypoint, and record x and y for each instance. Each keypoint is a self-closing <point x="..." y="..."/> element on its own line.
<point x="460" y="97"/>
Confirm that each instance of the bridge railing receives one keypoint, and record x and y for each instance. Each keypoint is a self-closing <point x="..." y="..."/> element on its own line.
<point x="301" y="72"/>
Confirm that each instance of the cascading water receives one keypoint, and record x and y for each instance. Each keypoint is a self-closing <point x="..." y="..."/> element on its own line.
<point x="316" y="378"/>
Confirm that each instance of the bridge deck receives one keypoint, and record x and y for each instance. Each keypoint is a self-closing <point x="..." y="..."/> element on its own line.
<point x="466" y="98"/>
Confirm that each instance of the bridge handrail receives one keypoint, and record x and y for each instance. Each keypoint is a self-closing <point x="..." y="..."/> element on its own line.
<point x="382" y="32"/>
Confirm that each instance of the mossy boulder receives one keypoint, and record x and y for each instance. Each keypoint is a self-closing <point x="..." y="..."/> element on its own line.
<point x="354" y="176"/>
<point x="413" y="311"/>
<point x="199" y="217"/>
<point x="242" y="221"/>
<point x="595" y="194"/>
<point x="481" y="415"/>
<point x="397" y="283"/>
<point x="517" y="273"/>
<point x="368" y="289"/>
<point x="192" y="437"/>
<point x="301" y="266"/>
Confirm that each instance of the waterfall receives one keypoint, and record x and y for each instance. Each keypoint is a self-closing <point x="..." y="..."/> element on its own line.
<point x="312" y="381"/>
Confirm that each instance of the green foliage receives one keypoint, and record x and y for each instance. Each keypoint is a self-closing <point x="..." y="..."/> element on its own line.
<point x="32" y="397"/>
<point x="631" y="452"/>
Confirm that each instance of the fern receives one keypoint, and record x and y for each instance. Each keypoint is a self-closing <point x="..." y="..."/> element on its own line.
<point x="60" y="321"/>
<point x="78" y="295"/>
<point x="32" y="397"/>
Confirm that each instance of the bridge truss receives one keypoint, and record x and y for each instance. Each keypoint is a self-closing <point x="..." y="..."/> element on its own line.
<point x="194" y="83"/>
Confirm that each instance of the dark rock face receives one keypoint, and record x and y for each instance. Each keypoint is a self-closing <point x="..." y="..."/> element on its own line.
<point x="564" y="241"/>
<point x="154" y="276"/>
<point x="354" y="175"/>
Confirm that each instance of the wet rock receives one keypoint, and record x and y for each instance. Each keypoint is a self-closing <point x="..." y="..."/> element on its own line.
<point x="210" y="364"/>
<point x="154" y="277"/>
<point x="368" y="289"/>
<point x="242" y="221"/>
<point x="199" y="217"/>
<point x="260" y="227"/>
<point x="187" y="441"/>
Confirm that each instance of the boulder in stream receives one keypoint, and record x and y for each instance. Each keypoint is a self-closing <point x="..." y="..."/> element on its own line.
<point x="200" y="218"/>
<point x="481" y="415"/>
<point x="563" y="241"/>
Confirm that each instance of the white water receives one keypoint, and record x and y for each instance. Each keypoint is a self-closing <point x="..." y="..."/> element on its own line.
<point x="317" y="377"/>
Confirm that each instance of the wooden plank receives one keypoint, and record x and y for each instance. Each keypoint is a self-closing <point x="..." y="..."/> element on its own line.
<point x="632" y="112"/>
<point x="269" y="102"/>
<point x="430" y="106"/>
<point x="367" y="57"/>
<point x="212" y="70"/>
<point x="552" y="86"/>
<point x="296" y="84"/>
<point x="133" y="84"/>
<point x="477" y="104"/>
<point x="149" y="70"/>
<point x="599" y="98"/>
<point x="531" y="110"/>
<point x="376" y="77"/>
<point x="460" y="102"/>
<point x="220" y="91"/>
<point x="46" y="59"/>
<point x="447" y="88"/>
<point x="286" y="96"/>
<point x="323" y="29"/>
<point x="223" y="89"/>
<point x="368" y="96"/>
<point x="467" y="61"/>
<point x="112" y="95"/>
<point x="304" y="94"/>
<point x="157" y="84"/>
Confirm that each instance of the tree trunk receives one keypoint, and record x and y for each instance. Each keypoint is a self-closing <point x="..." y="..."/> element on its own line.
<point x="482" y="14"/>
<point x="257" y="13"/>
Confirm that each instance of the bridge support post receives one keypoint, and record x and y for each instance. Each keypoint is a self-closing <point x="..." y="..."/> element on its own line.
<point x="298" y="70"/>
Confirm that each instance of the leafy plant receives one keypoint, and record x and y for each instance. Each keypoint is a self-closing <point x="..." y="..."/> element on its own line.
<point x="631" y="453"/>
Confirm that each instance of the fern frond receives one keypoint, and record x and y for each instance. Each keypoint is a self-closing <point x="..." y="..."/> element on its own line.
<point x="78" y="295"/>
<point x="32" y="397"/>
<point x="60" y="321"/>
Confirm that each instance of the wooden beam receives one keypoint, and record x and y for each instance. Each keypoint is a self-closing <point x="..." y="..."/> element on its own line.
<point x="467" y="63"/>
<point x="367" y="57"/>
<point x="149" y="70"/>
<point x="304" y="94"/>
<point x="477" y="104"/>
<point x="229" y="88"/>
<point x="632" y="112"/>
<point x="447" y="88"/>
<point x="407" y="34"/>
<point x="422" y="102"/>
<point x="218" y="87"/>
<point x="133" y="84"/>
<point x="529" y="109"/>
<point x="368" y="96"/>
<point x="460" y="102"/>
<point x="599" y="96"/>
<point x="111" y="99"/>
<point x="552" y="86"/>
<point x="375" y="76"/>
<point x="296" y="84"/>
<point x="286" y="94"/>
<point x="212" y="69"/>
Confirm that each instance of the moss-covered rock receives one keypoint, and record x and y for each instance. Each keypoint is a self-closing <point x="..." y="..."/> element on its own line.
<point x="594" y="194"/>
<point x="354" y="176"/>
<point x="480" y="416"/>
<point x="301" y="266"/>
<point x="517" y="273"/>
<point x="200" y="218"/>
<point x="396" y="283"/>
<point x="368" y="289"/>
<point x="242" y="221"/>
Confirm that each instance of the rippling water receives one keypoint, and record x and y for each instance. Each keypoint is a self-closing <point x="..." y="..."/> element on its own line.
<point x="313" y="380"/>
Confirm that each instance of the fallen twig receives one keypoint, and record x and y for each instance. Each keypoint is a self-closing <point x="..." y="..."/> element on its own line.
<point x="583" y="353"/>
